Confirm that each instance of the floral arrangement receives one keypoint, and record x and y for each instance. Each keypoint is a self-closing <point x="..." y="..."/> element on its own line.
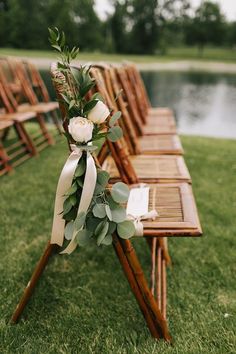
<point x="86" y="122"/>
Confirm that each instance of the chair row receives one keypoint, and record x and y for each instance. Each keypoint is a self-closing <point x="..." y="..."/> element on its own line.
<point x="149" y="152"/>
<point x="24" y="99"/>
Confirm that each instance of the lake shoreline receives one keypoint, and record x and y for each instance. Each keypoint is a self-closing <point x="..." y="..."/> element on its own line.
<point x="176" y="65"/>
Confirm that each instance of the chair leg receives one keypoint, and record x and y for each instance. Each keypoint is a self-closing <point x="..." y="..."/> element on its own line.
<point x="45" y="132"/>
<point x="134" y="287"/>
<point x="146" y="292"/>
<point x="25" y="138"/>
<point x="33" y="282"/>
<point x="55" y="121"/>
<point x="4" y="161"/>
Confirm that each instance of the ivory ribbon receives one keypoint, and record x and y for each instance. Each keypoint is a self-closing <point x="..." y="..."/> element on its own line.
<point x="139" y="203"/>
<point x="64" y="183"/>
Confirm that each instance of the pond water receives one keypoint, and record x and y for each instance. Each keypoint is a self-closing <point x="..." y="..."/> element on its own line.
<point x="204" y="103"/>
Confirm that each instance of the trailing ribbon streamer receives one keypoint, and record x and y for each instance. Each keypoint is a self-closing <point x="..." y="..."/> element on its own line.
<point x="64" y="183"/>
<point x="137" y="221"/>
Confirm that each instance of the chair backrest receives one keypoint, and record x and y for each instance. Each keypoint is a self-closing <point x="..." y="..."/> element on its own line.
<point x="108" y="84"/>
<point x="117" y="149"/>
<point x="7" y="99"/>
<point x="37" y="82"/>
<point x="137" y="86"/>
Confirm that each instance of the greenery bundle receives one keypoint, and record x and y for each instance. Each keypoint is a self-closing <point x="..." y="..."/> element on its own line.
<point x="87" y="121"/>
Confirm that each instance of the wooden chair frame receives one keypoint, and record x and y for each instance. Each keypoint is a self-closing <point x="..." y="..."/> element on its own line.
<point x="153" y="309"/>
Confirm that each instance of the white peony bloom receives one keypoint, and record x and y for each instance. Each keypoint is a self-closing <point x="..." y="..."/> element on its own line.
<point x="99" y="113"/>
<point x="81" y="129"/>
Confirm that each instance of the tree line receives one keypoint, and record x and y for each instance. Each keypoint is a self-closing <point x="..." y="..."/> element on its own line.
<point x="134" y="27"/>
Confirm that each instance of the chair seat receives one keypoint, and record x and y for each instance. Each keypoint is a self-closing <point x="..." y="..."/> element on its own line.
<point x="159" y="129"/>
<point x="18" y="116"/>
<point x="176" y="208"/>
<point x="5" y="124"/>
<point x="161" y="145"/>
<point x="160" y="111"/>
<point x="41" y="107"/>
<point x="161" y="120"/>
<point x="153" y="168"/>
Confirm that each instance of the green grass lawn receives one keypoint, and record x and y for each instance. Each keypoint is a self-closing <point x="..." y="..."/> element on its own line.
<point x="182" y="53"/>
<point x="83" y="303"/>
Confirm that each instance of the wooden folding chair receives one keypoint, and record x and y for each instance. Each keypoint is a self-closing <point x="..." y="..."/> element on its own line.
<point x="116" y="81"/>
<point x="41" y="92"/>
<point x="24" y="78"/>
<point x="149" y="168"/>
<point x="177" y="217"/>
<point x="41" y="137"/>
<point x="159" y="120"/>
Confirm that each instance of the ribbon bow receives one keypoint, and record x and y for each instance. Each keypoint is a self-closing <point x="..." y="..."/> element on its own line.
<point x="64" y="183"/>
<point x="152" y="214"/>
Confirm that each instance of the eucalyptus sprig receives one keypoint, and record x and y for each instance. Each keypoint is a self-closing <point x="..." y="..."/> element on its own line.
<point x="87" y="121"/>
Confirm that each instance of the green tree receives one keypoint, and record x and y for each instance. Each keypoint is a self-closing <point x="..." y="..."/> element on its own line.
<point x="208" y="26"/>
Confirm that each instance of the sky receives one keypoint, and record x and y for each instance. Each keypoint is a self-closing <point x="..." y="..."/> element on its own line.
<point x="228" y="7"/>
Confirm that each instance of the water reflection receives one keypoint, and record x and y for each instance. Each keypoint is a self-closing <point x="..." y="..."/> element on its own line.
<point x="204" y="103"/>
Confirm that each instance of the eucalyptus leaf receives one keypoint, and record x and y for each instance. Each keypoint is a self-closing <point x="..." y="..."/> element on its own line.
<point x="80" y="169"/>
<point x="107" y="240"/>
<point x="69" y="229"/>
<point x="80" y="220"/>
<point x="102" y="177"/>
<point x="73" y="199"/>
<point x="114" y="133"/>
<point x="67" y="206"/>
<point x="112" y="227"/>
<point x="126" y="229"/>
<point x="108" y="212"/>
<point x="83" y="237"/>
<point x="101" y="231"/>
<point x="71" y="215"/>
<point x="114" y="118"/>
<point x="118" y="214"/>
<point x="99" y="211"/>
<point x="120" y="192"/>
<point x="72" y="189"/>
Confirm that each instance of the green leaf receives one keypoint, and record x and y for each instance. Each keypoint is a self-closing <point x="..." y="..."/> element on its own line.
<point x="71" y="215"/>
<point x="107" y="240"/>
<point x="114" y="118"/>
<point x="72" y="103"/>
<point x="97" y="96"/>
<point x="101" y="231"/>
<point x="67" y="206"/>
<point x="53" y="35"/>
<point x="126" y="229"/>
<point x="102" y="177"/>
<point x="115" y="133"/>
<point x="80" y="170"/>
<point x="92" y="223"/>
<point x="118" y="214"/>
<point x="108" y="212"/>
<point x="73" y="199"/>
<point x="83" y="237"/>
<point x="72" y="189"/>
<point x="112" y="227"/>
<point x="99" y="211"/>
<point x="120" y="192"/>
<point x="80" y="220"/>
<point x="57" y="47"/>
<point x="69" y="229"/>
<point x="90" y="105"/>
<point x="85" y="89"/>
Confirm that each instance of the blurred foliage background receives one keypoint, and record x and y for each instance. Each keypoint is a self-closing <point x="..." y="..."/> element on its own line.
<point x="134" y="27"/>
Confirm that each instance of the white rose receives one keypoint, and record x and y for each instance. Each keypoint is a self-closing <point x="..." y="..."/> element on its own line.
<point x="81" y="129"/>
<point x="99" y="113"/>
